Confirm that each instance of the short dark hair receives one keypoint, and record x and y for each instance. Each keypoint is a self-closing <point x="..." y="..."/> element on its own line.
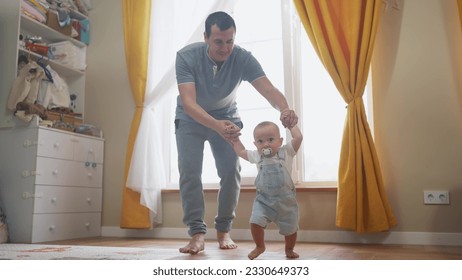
<point x="264" y="124"/>
<point x="221" y="19"/>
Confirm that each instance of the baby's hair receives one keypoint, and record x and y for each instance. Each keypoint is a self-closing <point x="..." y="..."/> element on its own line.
<point x="265" y="123"/>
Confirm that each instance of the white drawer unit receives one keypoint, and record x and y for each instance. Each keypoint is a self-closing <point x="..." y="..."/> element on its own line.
<point x="61" y="226"/>
<point x="57" y="199"/>
<point x="51" y="184"/>
<point x="53" y="144"/>
<point x="66" y="172"/>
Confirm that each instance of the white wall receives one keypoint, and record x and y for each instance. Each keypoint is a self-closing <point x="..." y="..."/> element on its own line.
<point x="417" y="110"/>
<point x="108" y="103"/>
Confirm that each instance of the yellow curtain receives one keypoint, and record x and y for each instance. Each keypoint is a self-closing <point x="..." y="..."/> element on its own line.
<point x="136" y="16"/>
<point x="343" y="33"/>
<point x="459" y="5"/>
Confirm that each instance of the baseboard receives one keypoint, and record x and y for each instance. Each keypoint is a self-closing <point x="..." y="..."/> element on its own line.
<point x="316" y="236"/>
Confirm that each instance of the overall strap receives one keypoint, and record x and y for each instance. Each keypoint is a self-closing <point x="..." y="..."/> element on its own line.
<point x="281" y="154"/>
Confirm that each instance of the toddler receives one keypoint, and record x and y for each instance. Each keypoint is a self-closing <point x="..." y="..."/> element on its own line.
<point x="275" y="200"/>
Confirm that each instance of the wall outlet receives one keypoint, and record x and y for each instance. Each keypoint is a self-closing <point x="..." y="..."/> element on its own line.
<point x="436" y="197"/>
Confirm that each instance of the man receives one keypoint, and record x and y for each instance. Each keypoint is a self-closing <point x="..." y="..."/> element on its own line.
<point x="208" y="75"/>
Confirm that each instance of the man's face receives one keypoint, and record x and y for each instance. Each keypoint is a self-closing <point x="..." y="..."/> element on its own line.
<point x="221" y="43"/>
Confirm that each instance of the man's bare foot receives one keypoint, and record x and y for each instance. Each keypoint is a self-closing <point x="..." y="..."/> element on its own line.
<point x="195" y="245"/>
<point x="256" y="252"/>
<point x="225" y="241"/>
<point x="291" y="254"/>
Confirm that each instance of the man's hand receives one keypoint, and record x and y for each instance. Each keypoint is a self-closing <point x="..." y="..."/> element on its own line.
<point x="228" y="130"/>
<point x="288" y="118"/>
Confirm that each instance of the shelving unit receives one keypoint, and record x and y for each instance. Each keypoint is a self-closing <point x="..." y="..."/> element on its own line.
<point x="50" y="179"/>
<point x="49" y="34"/>
<point x="17" y="24"/>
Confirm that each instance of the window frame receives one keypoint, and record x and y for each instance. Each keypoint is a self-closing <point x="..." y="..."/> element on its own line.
<point x="292" y="75"/>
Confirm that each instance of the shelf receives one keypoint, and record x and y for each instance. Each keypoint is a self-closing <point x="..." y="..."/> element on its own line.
<point x="17" y="24"/>
<point x="62" y="69"/>
<point x="51" y="35"/>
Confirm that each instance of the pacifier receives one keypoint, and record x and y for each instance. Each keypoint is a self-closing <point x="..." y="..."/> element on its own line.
<point x="267" y="152"/>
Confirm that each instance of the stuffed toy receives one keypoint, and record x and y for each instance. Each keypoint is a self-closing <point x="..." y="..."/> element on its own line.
<point x="32" y="109"/>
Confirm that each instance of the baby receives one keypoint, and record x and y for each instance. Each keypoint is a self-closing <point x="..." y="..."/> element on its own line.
<point x="275" y="200"/>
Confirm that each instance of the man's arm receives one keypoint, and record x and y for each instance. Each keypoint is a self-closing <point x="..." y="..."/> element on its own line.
<point x="226" y="129"/>
<point x="277" y="100"/>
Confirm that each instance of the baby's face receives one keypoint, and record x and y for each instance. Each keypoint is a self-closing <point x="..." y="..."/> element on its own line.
<point x="266" y="138"/>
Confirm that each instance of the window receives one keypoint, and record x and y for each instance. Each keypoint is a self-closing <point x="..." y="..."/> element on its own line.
<point x="292" y="65"/>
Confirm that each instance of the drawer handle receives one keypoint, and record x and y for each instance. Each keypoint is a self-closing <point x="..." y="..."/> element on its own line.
<point x="89" y="200"/>
<point x="92" y="164"/>
<point x="90" y="174"/>
<point x="87" y="225"/>
<point x="55" y="172"/>
<point x="53" y="200"/>
<point x="51" y="228"/>
<point x="56" y="145"/>
<point x="28" y="143"/>
<point x="27" y="195"/>
<point x="28" y="173"/>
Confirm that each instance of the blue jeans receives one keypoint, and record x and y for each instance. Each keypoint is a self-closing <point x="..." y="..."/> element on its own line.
<point x="190" y="139"/>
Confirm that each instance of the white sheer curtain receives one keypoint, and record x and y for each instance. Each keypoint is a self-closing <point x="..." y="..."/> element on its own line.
<point x="174" y="23"/>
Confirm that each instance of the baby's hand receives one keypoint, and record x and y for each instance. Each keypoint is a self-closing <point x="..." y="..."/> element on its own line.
<point x="232" y="128"/>
<point x="288" y="118"/>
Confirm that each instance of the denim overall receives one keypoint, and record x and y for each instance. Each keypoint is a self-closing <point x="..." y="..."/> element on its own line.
<point x="275" y="200"/>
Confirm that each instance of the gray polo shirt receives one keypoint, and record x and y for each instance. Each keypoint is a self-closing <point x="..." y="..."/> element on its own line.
<point x="215" y="90"/>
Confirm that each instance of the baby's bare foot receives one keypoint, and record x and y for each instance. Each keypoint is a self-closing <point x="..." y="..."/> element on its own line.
<point x="256" y="252"/>
<point x="225" y="241"/>
<point x="195" y="245"/>
<point x="291" y="254"/>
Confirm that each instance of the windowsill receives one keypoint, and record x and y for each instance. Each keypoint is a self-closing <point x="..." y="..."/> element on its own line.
<point x="251" y="189"/>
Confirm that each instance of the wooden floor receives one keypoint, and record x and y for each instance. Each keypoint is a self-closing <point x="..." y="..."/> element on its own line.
<point x="275" y="250"/>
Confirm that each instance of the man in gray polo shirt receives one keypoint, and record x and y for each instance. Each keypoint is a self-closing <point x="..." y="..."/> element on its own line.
<point x="208" y="76"/>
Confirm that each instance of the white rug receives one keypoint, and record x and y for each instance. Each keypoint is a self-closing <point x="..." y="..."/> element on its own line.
<point x="10" y="251"/>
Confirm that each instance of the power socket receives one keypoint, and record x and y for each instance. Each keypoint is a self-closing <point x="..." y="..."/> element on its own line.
<point x="436" y="197"/>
